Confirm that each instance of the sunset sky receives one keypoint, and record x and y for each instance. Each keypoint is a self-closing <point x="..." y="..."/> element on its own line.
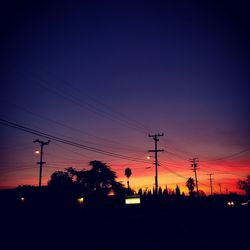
<point x="106" y="74"/>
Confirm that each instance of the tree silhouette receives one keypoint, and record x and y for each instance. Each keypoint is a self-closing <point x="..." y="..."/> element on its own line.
<point x="190" y="185"/>
<point x="100" y="180"/>
<point x="118" y="189"/>
<point x="245" y="185"/>
<point x="60" y="180"/>
<point x="160" y="191"/>
<point x="149" y="193"/>
<point x="165" y="191"/>
<point x="62" y="188"/>
<point x="140" y="192"/>
<point x="128" y="173"/>
<point x="177" y="191"/>
<point x="201" y="193"/>
<point x="154" y="191"/>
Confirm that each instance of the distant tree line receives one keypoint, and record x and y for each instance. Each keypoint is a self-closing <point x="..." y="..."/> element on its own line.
<point x="245" y="185"/>
<point x="100" y="181"/>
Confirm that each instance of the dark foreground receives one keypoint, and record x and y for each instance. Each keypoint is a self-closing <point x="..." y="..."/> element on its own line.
<point x="152" y="225"/>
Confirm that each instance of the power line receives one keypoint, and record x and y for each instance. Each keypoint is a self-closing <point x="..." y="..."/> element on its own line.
<point x="68" y="142"/>
<point x="17" y="168"/>
<point x="170" y="143"/>
<point x="173" y="172"/>
<point x="174" y="165"/>
<point x="71" y="86"/>
<point x="177" y="155"/>
<point x="44" y="118"/>
<point x="223" y="172"/>
<point x="230" y="156"/>
<point x="69" y="97"/>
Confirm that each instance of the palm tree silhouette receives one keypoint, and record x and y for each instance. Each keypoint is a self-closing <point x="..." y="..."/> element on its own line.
<point x="190" y="185"/>
<point x="128" y="173"/>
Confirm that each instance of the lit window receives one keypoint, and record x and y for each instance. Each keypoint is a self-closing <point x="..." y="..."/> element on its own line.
<point x="135" y="199"/>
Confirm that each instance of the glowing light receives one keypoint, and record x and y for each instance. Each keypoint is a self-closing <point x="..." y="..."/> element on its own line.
<point x="22" y="199"/>
<point x="132" y="200"/>
<point x="148" y="157"/>
<point x="80" y="200"/>
<point x="111" y="193"/>
<point x="245" y="203"/>
<point x="37" y="152"/>
<point x="230" y="203"/>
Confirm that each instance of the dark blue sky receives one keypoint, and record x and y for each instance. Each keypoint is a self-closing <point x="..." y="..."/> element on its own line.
<point x="179" y="67"/>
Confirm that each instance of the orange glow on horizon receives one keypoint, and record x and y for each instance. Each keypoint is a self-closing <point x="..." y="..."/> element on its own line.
<point x="144" y="178"/>
<point x="171" y="171"/>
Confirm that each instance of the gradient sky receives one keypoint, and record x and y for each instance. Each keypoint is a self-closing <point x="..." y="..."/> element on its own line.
<point x="106" y="74"/>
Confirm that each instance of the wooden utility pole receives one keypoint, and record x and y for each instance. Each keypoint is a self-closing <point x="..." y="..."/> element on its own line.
<point x="211" y="184"/>
<point x="194" y="165"/>
<point x="220" y="188"/>
<point x="41" y="162"/>
<point x="156" y="150"/>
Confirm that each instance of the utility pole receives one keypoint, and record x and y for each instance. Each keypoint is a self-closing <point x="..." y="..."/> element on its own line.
<point x="220" y="187"/>
<point x="194" y="165"/>
<point x="41" y="162"/>
<point x="211" y="184"/>
<point x="156" y="150"/>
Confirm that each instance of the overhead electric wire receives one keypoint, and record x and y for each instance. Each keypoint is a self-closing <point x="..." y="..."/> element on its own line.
<point x="169" y="162"/>
<point x="80" y="131"/>
<point x="176" y="155"/>
<point x="16" y="166"/>
<point x="69" y="97"/>
<point x="223" y="172"/>
<point x="72" y="86"/>
<point x="75" y="100"/>
<point x="71" y="143"/>
<point x="85" y="145"/>
<point x="169" y="143"/>
<point x="229" y="156"/>
<point x="141" y="127"/>
<point x="173" y="172"/>
<point x="16" y="169"/>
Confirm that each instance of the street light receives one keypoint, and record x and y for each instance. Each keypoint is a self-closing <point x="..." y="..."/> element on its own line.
<point x="80" y="201"/>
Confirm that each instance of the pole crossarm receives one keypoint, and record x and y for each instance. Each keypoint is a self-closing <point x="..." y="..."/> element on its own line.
<point x="158" y="150"/>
